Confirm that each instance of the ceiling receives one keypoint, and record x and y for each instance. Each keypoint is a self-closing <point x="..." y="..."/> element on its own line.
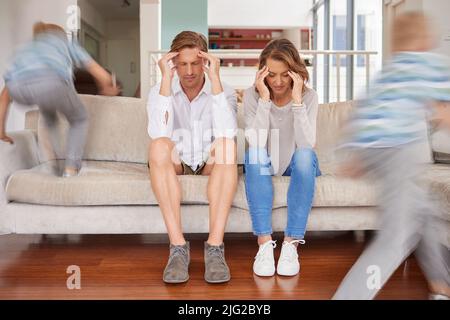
<point x="112" y="9"/>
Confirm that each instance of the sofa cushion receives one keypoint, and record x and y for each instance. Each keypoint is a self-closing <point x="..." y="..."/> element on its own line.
<point x="331" y="119"/>
<point x="438" y="176"/>
<point x="119" y="183"/>
<point x="117" y="131"/>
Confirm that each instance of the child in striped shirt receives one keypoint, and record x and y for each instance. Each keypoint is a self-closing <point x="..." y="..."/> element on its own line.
<point x="41" y="73"/>
<point x="387" y="133"/>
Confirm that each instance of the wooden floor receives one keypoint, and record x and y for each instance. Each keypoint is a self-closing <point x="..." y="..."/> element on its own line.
<point x="130" y="267"/>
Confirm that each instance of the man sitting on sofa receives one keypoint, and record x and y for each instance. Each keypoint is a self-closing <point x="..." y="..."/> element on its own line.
<point x="192" y="124"/>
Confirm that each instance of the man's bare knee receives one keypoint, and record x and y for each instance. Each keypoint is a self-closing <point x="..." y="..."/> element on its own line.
<point x="224" y="151"/>
<point x="160" y="151"/>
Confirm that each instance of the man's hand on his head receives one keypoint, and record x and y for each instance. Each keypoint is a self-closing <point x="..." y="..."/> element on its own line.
<point x="213" y="71"/>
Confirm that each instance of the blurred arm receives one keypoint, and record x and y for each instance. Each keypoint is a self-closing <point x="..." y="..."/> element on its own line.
<point x="103" y="79"/>
<point x="5" y="101"/>
<point x="83" y="60"/>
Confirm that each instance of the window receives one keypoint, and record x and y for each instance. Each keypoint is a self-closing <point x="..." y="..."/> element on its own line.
<point x="346" y="25"/>
<point x="361" y="38"/>
<point x="340" y="37"/>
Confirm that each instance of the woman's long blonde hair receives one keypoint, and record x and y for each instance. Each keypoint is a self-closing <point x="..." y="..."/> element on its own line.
<point x="284" y="50"/>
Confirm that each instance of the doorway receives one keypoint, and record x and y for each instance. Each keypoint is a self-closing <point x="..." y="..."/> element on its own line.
<point x="110" y="32"/>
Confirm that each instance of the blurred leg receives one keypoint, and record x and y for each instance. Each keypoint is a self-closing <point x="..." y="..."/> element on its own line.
<point x="77" y="117"/>
<point x="434" y="257"/>
<point x="399" y="228"/>
<point x="51" y="135"/>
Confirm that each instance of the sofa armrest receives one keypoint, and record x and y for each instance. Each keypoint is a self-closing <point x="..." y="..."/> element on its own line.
<point x="23" y="154"/>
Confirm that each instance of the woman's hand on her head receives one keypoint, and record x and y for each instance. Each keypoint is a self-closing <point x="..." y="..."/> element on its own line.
<point x="264" y="92"/>
<point x="297" y="89"/>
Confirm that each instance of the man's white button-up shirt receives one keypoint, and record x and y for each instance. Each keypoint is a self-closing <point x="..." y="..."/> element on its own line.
<point x="192" y="125"/>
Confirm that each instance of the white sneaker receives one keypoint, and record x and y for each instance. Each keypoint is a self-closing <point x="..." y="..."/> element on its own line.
<point x="264" y="265"/>
<point x="288" y="264"/>
<point x="437" y="296"/>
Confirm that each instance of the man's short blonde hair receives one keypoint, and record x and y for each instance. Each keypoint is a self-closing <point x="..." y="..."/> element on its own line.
<point x="189" y="39"/>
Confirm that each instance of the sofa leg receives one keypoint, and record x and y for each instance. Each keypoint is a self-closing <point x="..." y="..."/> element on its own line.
<point x="359" y="235"/>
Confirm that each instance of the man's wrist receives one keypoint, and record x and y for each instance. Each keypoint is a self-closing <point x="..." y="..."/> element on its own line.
<point x="166" y="77"/>
<point x="216" y="85"/>
<point x="166" y="86"/>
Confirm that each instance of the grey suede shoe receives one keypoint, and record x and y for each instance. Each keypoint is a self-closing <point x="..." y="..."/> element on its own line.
<point x="177" y="269"/>
<point x="216" y="268"/>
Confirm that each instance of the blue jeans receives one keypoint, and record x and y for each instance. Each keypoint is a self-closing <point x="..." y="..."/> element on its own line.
<point x="303" y="170"/>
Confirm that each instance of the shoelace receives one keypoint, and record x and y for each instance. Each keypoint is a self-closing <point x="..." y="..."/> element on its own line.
<point x="261" y="255"/>
<point x="291" y="249"/>
<point x="178" y="251"/>
<point x="216" y="251"/>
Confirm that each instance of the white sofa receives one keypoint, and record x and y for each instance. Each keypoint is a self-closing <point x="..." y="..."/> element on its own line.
<point x="113" y="193"/>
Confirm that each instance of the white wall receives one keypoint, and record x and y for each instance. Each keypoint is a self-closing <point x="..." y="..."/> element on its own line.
<point x="126" y="30"/>
<point x="5" y="36"/>
<point x="6" y="28"/>
<point x="439" y="10"/>
<point x="411" y="5"/>
<point x="122" y="29"/>
<point x="259" y="13"/>
<point x="17" y="20"/>
<point x="150" y="16"/>
<point x="293" y="35"/>
<point x="92" y="17"/>
<point x="93" y="23"/>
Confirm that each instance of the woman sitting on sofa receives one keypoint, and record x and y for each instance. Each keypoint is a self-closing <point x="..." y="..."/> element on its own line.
<point x="280" y="122"/>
